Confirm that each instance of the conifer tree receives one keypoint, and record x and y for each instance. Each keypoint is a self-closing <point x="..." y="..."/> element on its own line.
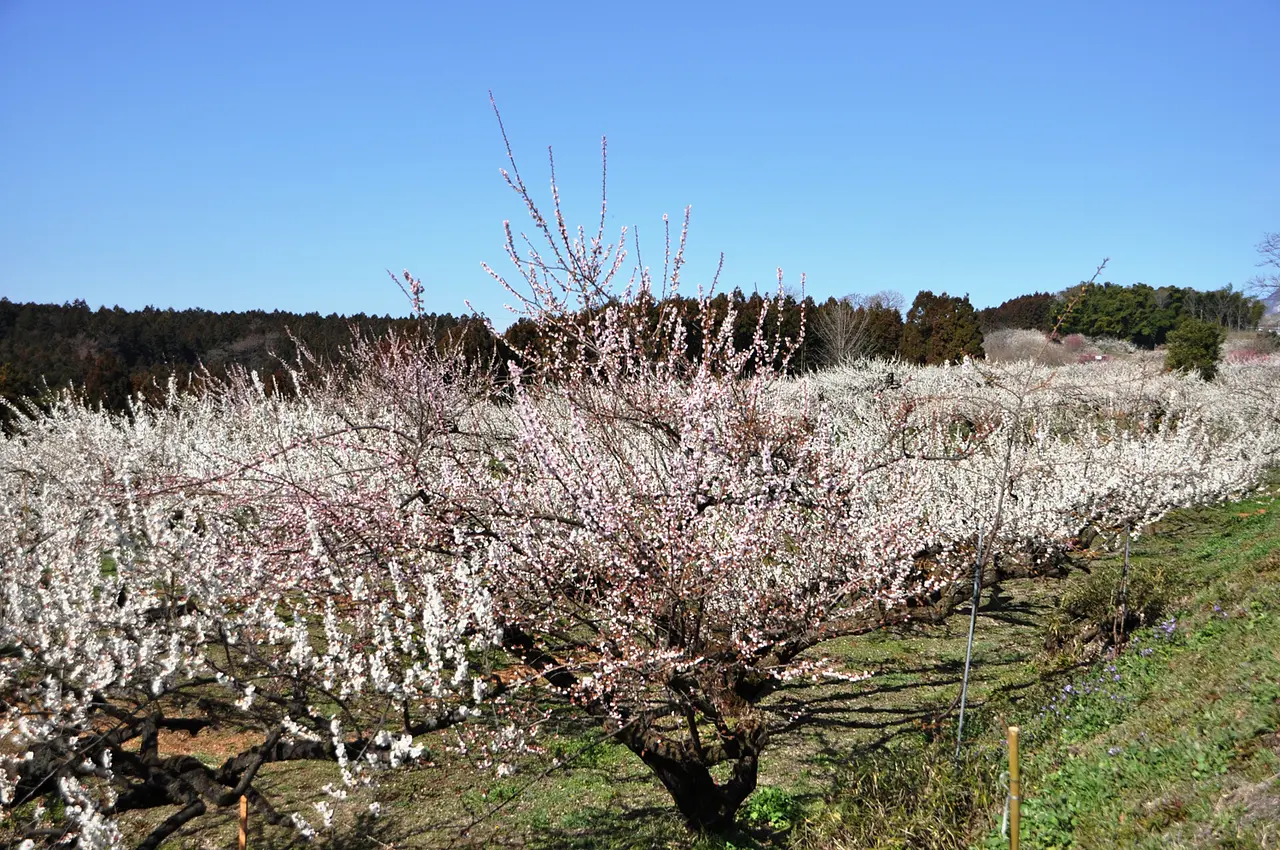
<point x="940" y="329"/>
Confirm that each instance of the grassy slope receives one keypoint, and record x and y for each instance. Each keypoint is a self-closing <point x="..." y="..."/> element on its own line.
<point x="1172" y="744"/>
<point x="1177" y="746"/>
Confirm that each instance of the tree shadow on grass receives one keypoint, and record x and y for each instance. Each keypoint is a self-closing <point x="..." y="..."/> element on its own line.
<point x="650" y="827"/>
<point x="366" y="832"/>
<point x="596" y="828"/>
<point x="828" y="725"/>
<point x="1009" y="611"/>
<point x="825" y="725"/>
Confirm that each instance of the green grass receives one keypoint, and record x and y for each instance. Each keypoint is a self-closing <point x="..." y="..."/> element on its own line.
<point x="1176" y="745"/>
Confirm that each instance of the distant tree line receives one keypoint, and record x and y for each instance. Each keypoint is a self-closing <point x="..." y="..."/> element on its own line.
<point x="113" y="354"/>
<point x="1141" y="314"/>
<point x="1037" y="311"/>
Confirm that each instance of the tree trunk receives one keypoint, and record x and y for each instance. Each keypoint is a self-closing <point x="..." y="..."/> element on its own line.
<point x="706" y="805"/>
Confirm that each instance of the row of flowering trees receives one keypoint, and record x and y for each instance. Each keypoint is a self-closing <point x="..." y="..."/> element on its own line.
<point x="407" y="544"/>
<point x="658" y="543"/>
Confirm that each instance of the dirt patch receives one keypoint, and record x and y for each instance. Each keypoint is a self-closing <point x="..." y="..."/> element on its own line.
<point x="220" y="744"/>
<point x="1245" y="809"/>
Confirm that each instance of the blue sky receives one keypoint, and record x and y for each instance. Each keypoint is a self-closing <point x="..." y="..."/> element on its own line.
<point x="240" y="155"/>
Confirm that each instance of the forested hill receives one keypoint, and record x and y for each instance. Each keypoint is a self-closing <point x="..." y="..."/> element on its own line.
<point x="113" y="353"/>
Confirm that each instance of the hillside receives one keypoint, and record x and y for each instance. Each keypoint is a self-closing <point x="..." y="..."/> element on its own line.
<point x="852" y="761"/>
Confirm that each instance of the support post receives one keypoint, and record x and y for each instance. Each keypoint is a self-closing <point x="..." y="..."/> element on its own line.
<point x="1015" y="789"/>
<point x="968" y="651"/>
<point x="1123" y="614"/>
<point x="244" y="821"/>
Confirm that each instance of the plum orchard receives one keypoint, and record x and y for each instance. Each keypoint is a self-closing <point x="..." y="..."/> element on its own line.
<point x="659" y="543"/>
<point x="409" y="547"/>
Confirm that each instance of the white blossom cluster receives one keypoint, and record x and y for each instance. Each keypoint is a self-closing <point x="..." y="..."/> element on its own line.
<point x="1107" y="445"/>
<point x="229" y="554"/>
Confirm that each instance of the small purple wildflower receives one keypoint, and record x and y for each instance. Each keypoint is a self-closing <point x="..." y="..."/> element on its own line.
<point x="1072" y="692"/>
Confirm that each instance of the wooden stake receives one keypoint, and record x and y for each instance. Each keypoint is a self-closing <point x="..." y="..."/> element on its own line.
<point x="1015" y="789"/>
<point x="244" y="821"/>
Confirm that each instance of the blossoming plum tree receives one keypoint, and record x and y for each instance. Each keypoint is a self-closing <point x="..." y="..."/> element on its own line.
<point x="658" y="541"/>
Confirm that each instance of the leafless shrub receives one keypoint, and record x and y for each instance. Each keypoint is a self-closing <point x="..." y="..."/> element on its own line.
<point x="846" y="330"/>
<point x="1112" y="346"/>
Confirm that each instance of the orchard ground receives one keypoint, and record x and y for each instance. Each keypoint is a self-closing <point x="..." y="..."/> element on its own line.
<point x="1172" y="743"/>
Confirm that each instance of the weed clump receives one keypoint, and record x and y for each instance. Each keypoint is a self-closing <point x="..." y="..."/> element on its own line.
<point x="909" y="795"/>
<point x="771" y="809"/>
<point x="1090" y="605"/>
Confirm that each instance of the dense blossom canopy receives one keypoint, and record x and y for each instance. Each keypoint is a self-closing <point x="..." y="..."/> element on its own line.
<point x="659" y="542"/>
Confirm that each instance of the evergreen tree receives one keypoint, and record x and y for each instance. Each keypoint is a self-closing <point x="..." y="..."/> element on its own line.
<point x="1195" y="346"/>
<point x="940" y="329"/>
<point x="1036" y="312"/>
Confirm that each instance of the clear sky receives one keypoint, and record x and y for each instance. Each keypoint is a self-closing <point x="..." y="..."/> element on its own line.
<point x="239" y="155"/>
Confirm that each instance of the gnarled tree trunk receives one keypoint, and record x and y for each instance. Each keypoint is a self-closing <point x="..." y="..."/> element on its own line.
<point x="685" y="771"/>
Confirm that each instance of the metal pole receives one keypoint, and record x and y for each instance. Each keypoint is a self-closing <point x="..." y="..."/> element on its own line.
<point x="1118" y="635"/>
<point x="1015" y="789"/>
<point x="968" y="652"/>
